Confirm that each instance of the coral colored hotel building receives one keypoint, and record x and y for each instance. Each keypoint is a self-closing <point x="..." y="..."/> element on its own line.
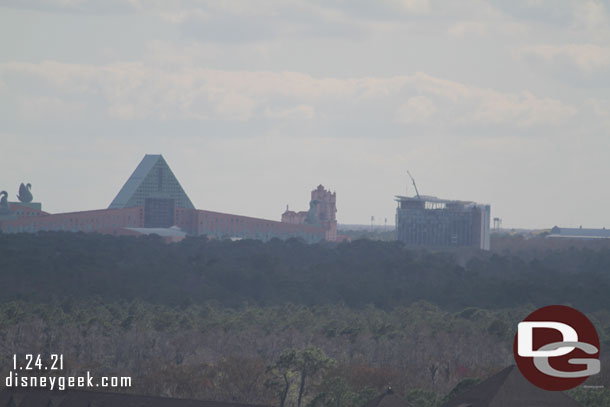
<point x="152" y="201"/>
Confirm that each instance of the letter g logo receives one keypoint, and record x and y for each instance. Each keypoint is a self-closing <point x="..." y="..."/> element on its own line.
<point x="557" y="348"/>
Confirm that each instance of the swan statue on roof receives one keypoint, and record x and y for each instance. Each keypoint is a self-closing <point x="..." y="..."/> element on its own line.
<point x="4" y="201"/>
<point x="25" y="195"/>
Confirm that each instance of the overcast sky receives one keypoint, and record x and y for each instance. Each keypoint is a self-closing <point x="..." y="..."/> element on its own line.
<point x="255" y="103"/>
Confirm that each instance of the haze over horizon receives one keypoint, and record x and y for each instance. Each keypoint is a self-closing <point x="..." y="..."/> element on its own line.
<point x="255" y="103"/>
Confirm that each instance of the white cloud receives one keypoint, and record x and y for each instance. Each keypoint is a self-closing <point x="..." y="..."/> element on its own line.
<point x="418" y="109"/>
<point x="601" y="109"/>
<point x="591" y="15"/>
<point x="78" y="6"/>
<point x="235" y="106"/>
<point x="467" y="105"/>
<point x="416" y="6"/>
<point x="179" y="16"/>
<point x="479" y="28"/>
<point x="587" y="58"/>
<point x="300" y="112"/>
<point x="137" y="91"/>
<point x="521" y="109"/>
<point x="463" y="28"/>
<point x="48" y="108"/>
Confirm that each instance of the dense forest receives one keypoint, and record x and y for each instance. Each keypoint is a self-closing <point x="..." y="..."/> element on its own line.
<point x="67" y="266"/>
<point x="246" y="321"/>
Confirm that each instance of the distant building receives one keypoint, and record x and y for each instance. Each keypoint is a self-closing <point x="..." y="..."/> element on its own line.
<point x="322" y="212"/>
<point x="579" y="233"/>
<point x="153" y="201"/>
<point x="426" y="221"/>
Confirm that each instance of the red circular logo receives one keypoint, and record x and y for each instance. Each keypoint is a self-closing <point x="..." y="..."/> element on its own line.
<point x="556" y="348"/>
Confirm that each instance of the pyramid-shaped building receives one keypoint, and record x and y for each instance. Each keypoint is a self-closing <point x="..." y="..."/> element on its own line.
<point x="152" y="179"/>
<point x="153" y="201"/>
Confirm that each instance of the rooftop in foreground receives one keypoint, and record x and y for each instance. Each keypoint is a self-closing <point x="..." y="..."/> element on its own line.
<point x="508" y="388"/>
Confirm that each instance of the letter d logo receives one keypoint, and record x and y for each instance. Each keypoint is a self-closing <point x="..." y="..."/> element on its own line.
<point x="526" y="339"/>
<point x="556" y="348"/>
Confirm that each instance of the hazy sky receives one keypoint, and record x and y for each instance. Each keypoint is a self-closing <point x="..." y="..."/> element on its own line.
<point x="255" y="103"/>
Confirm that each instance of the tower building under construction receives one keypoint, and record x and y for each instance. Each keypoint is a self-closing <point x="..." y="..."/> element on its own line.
<point x="426" y="221"/>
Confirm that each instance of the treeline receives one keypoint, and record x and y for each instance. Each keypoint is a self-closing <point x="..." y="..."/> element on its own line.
<point x="259" y="354"/>
<point x="66" y="266"/>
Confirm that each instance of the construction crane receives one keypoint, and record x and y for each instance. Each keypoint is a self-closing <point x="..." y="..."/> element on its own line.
<point x="415" y="186"/>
